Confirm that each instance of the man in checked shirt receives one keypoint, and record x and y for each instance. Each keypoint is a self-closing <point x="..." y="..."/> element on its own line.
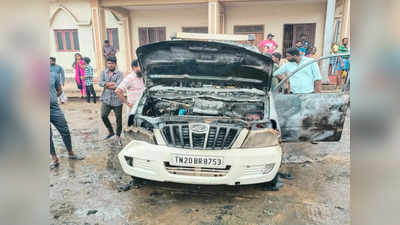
<point x="110" y="79"/>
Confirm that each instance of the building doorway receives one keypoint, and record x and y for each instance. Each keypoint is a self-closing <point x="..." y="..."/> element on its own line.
<point x="292" y="33"/>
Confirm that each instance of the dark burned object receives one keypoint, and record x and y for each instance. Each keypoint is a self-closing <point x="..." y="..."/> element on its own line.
<point x="205" y="82"/>
<point x="235" y="103"/>
<point x="311" y="117"/>
<point x="197" y="79"/>
<point x="276" y="184"/>
<point x="135" y="183"/>
<point x="202" y="60"/>
<point x="273" y="185"/>
<point x="286" y="176"/>
<point x="209" y="99"/>
<point x="90" y="212"/>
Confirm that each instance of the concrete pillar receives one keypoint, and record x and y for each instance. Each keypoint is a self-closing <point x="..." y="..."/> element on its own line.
<point x="99" y="33"/>
<point x="222" y="19"/>
<point x="126" y="23"/>
<point x="330" y="17"/>
<point x="214" y="17"/>
<point x="345" y="30"/>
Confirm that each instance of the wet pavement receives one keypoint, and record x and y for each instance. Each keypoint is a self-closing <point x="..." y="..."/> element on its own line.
<point x="86" y="192"/>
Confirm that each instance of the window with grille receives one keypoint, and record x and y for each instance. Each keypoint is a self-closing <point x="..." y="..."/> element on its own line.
<point x="149" y="35"/>
<point x="67" y="40"/>
<point x="293" y="32"/>
<point x="112" y="36"/>
<point x="201" y="30"/>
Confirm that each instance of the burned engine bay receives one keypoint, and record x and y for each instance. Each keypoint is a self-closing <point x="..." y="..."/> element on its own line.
<point x="236" y="103"/>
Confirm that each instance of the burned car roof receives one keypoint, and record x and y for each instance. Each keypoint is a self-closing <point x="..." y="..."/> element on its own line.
<point x="204" y="60"/>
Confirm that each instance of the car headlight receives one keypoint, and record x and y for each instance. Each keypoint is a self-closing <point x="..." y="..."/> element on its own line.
<point x="259" y="169"/>
<point x="261" y="138"/>
<point x="141" y="134"/>
<point x="268" y="168"/>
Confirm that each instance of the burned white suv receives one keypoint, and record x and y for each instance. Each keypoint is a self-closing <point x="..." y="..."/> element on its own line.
<point x="207" y="116"/>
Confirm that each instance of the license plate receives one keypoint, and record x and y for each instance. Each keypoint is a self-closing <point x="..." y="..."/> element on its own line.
<point x="197" y="161"/>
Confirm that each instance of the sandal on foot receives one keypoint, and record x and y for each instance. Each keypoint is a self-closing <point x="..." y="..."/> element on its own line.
<point x="108" y="137"/>
<point x="75" y="157"/>
<point x="54" y="165"/>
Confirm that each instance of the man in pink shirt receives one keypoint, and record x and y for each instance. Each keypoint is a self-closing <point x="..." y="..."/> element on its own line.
<point x="269" y="45"/>
<point x="132" y="85"/>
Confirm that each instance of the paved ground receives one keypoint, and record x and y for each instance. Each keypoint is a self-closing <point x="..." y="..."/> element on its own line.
<point x="86" y="192"/>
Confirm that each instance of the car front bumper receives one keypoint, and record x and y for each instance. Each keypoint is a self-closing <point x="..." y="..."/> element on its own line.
<point x="244" y="166"/>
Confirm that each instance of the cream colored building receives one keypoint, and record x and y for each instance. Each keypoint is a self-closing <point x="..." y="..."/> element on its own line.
<point x="82" y="25"/>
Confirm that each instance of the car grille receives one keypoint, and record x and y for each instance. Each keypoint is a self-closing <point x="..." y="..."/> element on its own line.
<point x="200" y="172"/>
<point x="216" y="138"/>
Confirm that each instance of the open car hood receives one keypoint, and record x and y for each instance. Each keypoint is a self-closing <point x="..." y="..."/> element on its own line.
<point x="204" y="60"/>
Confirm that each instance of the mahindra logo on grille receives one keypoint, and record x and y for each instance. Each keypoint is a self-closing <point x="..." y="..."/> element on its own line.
<point x="199" y="128"/>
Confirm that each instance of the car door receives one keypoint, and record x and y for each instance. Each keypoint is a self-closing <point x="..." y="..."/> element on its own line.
<point x="311" y="117"/>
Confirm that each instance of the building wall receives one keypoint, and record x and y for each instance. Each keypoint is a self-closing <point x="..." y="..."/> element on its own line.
<point x="172" y="18"/>
<point x="62" y="21"/>
<point x="274" y="15"/>
<point x="79" y="8"/>
<point x="79" y="17"/>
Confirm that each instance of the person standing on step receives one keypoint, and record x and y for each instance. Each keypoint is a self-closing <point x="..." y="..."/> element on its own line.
<point x="108" y="49"/>
<point x="305" y="43"/>
<point x="343" y="62"/>
<point x="89" y="80"/>
<point x="79" y="68"/>
<point x="60" y="71"/>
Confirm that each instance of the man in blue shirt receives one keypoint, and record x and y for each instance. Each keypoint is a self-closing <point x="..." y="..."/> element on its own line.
<point x="60" y="72"/>
<point x="58" y="120"/>
<point x="307" y="80"/>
